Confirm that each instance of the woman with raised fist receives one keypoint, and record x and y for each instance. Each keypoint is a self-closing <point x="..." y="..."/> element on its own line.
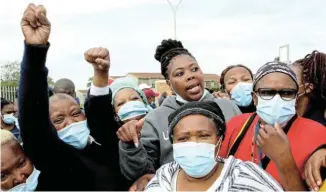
<point x="69" y="152"/>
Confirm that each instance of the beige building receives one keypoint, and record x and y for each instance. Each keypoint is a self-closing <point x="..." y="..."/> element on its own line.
<point x="147" y="78"/>
<point x="81" y="94"/>
<point x="157" y="82"/>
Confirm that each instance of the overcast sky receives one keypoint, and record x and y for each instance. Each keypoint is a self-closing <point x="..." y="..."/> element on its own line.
<point x="218" y="33"/>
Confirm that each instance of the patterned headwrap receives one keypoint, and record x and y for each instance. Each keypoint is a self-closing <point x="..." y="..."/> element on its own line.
<point x="206" y="108"/>
<point x="274" y="67"/>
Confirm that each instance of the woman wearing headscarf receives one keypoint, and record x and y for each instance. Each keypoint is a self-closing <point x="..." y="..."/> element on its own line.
<point x="237" y="81"/>
<point x="128" y="101"/>
<point x="184" y="76"/>
<point x="196" y="130"/>
<point x="60" y="142"/>
<point x="275" y="137"/>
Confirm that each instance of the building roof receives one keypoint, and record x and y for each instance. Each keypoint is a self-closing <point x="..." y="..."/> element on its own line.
<point x="114" y="77"/>
<point x="207" y="77"/>
<point x="211" y="77"/>
<point x="147" y="75"/>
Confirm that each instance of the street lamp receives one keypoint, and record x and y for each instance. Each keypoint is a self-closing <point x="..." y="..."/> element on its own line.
<point x="174" y="10"/>
<point x="284" y="53"/>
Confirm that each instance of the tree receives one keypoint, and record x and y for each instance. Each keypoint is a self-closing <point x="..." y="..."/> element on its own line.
<point x="10" y="74"/>
<point x="50" y="82"/>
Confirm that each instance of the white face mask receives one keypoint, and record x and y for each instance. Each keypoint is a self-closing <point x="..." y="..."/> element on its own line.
<point x="30" y="184"/>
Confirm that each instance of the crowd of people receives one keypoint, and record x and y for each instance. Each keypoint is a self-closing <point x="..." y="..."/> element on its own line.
<point x="261" y="132"/>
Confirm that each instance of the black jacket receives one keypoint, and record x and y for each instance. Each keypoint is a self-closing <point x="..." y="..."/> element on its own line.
<point x="62" y="166"/>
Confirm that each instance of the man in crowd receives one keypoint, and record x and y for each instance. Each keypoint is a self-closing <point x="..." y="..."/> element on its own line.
<point x="66" y="86"/>
<point x="150" y="95"/>
<point x="144" y="86"/>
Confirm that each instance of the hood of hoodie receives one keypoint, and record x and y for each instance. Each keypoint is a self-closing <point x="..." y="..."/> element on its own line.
<point x="171" y="102"/>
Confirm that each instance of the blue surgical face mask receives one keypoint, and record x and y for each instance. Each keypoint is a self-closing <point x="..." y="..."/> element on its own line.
<point x="75" y="134"/>
<point x="9" y="119"/>
<point x="30" y="184"/>
<point x="132" y="109"/>
<point x="275" y="110"/>
<point x="241" y="94"/>
<point x="196" y="159"/>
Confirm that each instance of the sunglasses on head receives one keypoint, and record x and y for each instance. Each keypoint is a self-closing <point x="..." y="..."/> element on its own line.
<point x="285" y="94"/>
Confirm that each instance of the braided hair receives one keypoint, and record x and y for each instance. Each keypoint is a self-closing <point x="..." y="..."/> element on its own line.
<point x="228" y="69"/>
<point x="313" y="68"/>
<point x="166" y="51"/>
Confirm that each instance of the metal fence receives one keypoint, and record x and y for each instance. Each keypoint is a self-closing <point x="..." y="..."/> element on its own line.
<point x="8" y="93"/>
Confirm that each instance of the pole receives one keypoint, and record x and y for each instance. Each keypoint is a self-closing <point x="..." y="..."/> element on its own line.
<point x="174" y="11"/>
<point x="284" y="49"/>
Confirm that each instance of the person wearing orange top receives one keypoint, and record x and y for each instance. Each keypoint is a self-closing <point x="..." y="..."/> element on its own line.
<point x="275" y="137"/>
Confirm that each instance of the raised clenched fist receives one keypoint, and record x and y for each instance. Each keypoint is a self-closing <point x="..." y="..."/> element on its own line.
<point x="99" y="57"/>
<point x="35" y="25"/>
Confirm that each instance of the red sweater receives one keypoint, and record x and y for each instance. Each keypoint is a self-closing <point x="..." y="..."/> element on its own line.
<point x="305" y="136"/>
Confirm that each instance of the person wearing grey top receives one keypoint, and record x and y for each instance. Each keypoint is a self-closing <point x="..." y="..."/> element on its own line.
<point x="185" y="78"/>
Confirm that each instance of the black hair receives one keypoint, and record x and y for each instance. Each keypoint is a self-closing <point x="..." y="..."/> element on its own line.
<point x="166" y="51"/>
<point x="228" y="69"/>
<point x="4" y="102"/>
<point x="314" y="71"/>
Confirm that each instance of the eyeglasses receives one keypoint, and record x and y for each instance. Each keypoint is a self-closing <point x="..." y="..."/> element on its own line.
<point x="285" y="94"/>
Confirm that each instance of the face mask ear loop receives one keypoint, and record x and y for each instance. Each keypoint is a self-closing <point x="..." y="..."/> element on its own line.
<point x="219" y="143"/>
<point x="304" y="88"/>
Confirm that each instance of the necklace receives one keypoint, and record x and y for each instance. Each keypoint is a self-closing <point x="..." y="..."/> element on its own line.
<point x="253" y="146"/>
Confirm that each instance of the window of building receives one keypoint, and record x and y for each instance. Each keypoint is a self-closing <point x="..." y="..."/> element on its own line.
<point x="208" y="84"/>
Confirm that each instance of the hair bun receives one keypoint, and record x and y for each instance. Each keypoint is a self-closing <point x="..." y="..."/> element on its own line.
<point x="166" y="45"/>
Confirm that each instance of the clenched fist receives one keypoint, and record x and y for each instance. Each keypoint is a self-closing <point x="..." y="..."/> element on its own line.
<point x="35" y="25"/>
<point x="99" y="57"/>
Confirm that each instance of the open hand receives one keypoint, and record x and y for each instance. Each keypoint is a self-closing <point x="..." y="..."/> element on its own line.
<point x="130" y="131"/>
<point x="99" y="57"/>
<point x="35" y="25"/>
<point x="273" y="142"/>
<point x="313" y="168"/>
